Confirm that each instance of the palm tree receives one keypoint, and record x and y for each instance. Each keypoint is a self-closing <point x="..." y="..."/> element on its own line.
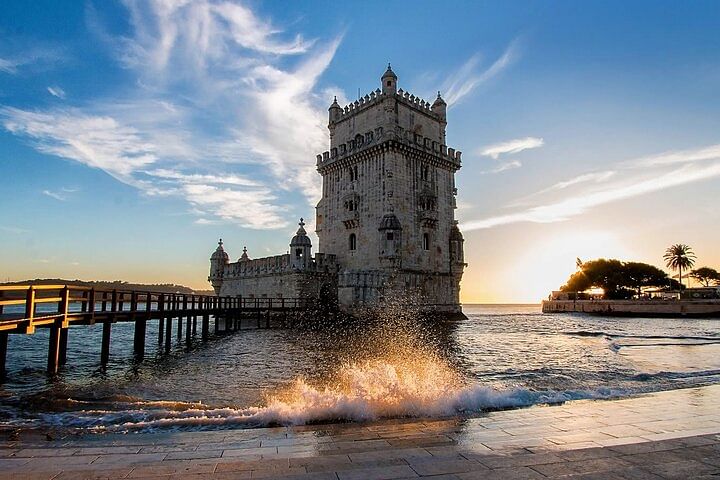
<point x="679" y="256"/>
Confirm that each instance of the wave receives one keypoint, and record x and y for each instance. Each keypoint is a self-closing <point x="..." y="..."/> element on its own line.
<point x="362" y="392"/>
<point x="591" y="333"/>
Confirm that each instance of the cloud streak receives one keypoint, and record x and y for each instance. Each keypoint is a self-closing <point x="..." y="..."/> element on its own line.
<point x="469" y="76"/>
<point x="635" y="181"/>
<point x="218" y="90"/>
<point x="56" y="92"/>
<point x="510" y="147"/>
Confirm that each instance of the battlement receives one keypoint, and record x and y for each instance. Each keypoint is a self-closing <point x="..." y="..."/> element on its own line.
<point x="278" y="264"/>
<point x="376" y="137"/>
<point x="375" y="97"/>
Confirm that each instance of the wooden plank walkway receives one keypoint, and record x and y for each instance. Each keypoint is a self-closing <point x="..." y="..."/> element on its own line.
<point x="24" y="308"/>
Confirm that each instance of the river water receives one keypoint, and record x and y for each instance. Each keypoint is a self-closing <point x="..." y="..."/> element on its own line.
<point x="501" y="356"/>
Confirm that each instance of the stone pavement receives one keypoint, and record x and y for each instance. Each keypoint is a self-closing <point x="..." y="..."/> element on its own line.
<point x="674" y="434"/>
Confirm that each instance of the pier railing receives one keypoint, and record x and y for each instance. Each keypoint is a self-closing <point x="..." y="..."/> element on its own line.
<point x="24" y="308"/>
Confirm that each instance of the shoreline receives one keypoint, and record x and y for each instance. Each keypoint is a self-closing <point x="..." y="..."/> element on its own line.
<point x="577" y="437"/>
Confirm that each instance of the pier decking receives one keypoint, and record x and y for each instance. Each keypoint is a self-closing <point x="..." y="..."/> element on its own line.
<point x="24" y="308"/>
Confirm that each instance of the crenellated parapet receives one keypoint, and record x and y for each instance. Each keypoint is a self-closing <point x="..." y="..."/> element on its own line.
<point x="278" y="265"/>
<point x="362" y="143"/>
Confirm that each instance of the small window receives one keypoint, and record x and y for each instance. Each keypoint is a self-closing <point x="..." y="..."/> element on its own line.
<point x="424" y="172"/>
<point x="426" y="241"/>
<point x="352" y="242"/>
<point x="389" y="83"/>
<point x="298" y="252"/>
<point x="390" y="236"/>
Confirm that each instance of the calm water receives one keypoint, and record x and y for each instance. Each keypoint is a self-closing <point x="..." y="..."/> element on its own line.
<point x="502" y="356"/>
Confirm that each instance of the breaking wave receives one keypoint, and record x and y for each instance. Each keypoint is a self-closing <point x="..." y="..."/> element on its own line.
<point x="362" y="392"/>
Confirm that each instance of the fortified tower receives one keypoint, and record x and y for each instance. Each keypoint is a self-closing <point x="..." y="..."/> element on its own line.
<point x="387" y="211"/>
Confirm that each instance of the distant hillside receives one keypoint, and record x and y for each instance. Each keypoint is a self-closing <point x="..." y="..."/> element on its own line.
<point x="115" y="284"/>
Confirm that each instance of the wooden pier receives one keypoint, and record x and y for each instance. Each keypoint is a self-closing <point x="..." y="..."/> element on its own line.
<point x="57" y="307"/>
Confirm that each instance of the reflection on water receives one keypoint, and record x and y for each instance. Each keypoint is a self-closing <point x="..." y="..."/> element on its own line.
<point x="392" y="365"/>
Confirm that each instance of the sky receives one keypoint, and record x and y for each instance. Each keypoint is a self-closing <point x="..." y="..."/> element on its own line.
<point x="134" y="134"/>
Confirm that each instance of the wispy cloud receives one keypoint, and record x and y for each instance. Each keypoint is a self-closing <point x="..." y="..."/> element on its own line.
<point x="13" y="230"/>
<point x="56" y="92"/>
<point x="16" y="55"/>
<point x="471" y="74"/>
<point x="636" y="180"/>
<point x="226" y="112"/>
<point x="512" y="146"/>
<point x="55" y="195"/>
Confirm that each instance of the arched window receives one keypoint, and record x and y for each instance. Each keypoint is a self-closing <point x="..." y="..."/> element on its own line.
<point x="352" y="242"/>
<point x="298" y="252"/>
<point x="424" y="172"/>
<point x="426" y="241"/>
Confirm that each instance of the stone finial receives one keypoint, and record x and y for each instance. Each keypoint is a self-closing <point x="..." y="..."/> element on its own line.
<point x="220" y="242"/>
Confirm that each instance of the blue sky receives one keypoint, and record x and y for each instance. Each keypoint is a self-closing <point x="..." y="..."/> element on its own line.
<point x="134" y="134"/>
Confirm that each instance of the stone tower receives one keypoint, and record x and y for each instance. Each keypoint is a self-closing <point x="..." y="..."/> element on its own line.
<point x="218" y="260"/>
<point x="388" y="199"/>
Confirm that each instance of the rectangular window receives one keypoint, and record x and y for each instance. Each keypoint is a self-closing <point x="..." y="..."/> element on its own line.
<point x="390" y="235"/>
<point x="426" y="241"/>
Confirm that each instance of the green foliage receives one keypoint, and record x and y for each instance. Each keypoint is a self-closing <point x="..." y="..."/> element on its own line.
<point x="617" y="279"/>
<point x="679" y="257"/>
<point x="706" y="276"/>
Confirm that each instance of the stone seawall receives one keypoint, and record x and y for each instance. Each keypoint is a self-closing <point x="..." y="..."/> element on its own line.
<point x="697" y="308"/>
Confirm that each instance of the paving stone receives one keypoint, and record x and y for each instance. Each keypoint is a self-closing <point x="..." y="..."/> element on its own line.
<point x="510" y="473"/>
<point x="524" y="460"/>
<point x="441" y="466"/>
<point x="682" y="470"/>
<point x="582" y="466"/>
<point x="193" y="455"/>
<point x="378" y="473"/>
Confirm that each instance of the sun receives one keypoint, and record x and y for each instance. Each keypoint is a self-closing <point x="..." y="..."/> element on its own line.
<point x="546" y="265"/>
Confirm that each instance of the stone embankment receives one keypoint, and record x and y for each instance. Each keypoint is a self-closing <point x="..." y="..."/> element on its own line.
<point x="654" y="308"/>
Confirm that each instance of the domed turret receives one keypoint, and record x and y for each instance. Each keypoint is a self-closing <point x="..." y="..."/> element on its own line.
<point x="457" y="253"/>
<point x="335" y="111"/>
<point x="390" y="239"/>
<point x="301" y="248"/>
<point x="389" y="81"/>
<point x="244" y="257"/>
<point x="439" y="106"/>
<point x="218" y="260"/>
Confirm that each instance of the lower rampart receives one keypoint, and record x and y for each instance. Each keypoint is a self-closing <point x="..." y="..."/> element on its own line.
<point x="696" y="308"/>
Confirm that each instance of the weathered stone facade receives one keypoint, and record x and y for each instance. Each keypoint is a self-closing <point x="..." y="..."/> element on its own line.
<point x="387" y="215"/>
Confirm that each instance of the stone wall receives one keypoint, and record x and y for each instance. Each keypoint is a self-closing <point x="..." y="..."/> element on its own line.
<point x="635" y="307"/>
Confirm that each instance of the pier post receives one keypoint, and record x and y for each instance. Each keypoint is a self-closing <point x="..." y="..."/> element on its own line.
<point x="205" y="326"/>
<point x="54" y="349"/>
<point x="105" y="348"/>
<point x="62" y="357"/>
<point x="168" y="330"/>
<point x="139" y="339"/>
<point x="3" y="354"/>
<point x="161" y="330"/>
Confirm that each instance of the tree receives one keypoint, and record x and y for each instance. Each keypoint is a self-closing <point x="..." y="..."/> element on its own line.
<point x="679" y="256"/>
<point x="637" y="275"/>
<point x="706" y="276"/>
<point x="617" y="279"/>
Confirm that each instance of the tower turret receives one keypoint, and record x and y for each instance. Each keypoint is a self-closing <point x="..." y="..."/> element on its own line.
<point x="301" y="248"/>
<point x="334" y="112"/>
<point x="439" y="106"/>
<point x="390" y="240"/>
<point x="389" y="81"/>
<point x="218" y="260"/>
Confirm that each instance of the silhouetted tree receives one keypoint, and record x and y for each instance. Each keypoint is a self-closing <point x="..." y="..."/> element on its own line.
<point x="637" y="275"/>
<point x="679" y="256"/>
<point x="706" y="276"/>
<point x="617" y="279"/>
